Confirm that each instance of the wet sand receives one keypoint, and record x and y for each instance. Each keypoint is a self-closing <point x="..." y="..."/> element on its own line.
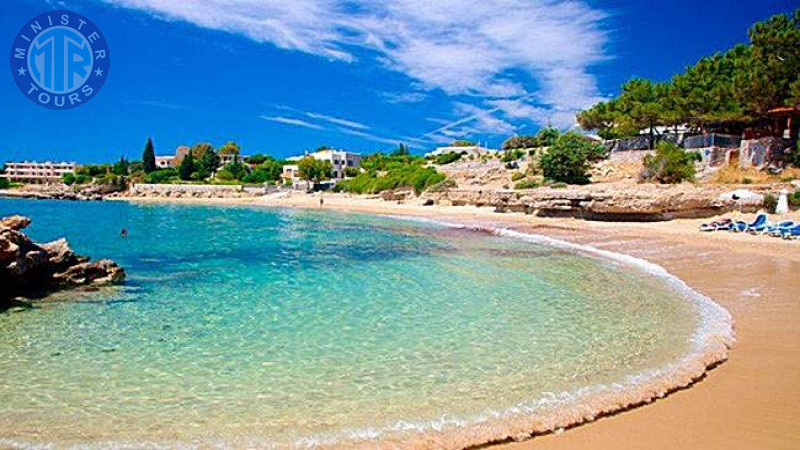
<point x="752" y="401"/>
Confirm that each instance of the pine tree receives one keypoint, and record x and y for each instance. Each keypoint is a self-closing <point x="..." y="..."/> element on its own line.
<point x="149" y="157"/>
<point x="187" y="167"/>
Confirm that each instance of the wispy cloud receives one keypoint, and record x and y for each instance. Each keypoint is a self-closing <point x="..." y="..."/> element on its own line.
<point x="405" y="97"/>
<point x="292" y="121"/>
<point x="340" y="125"/>
<point x="485" y="49"/>
<point x="337" y="120"/>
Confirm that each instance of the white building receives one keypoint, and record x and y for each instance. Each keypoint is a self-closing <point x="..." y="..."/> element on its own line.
<point x="37" y="172"/>
<point x="474" y="150"/>
<point x="339" y="159"/>
<point x="165" y="162"/>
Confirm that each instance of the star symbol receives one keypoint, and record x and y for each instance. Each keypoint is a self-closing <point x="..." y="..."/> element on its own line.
<point x="98" y="72"/>
<point x="21" y="71"/>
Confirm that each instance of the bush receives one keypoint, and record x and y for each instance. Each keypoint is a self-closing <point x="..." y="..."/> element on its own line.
<point x="82" y="179"/>
<point x="794" y="199"/>
<point x="526" y="184"/>
<point x="258" y="176"/>
<point x="416" y="176"/>
<point x="770" y="202"/>
<point x="161" y="176"/>
<point x="447" y="158"/>
<point x="351" y="172"/>
<point x="512" y="155"/>
<point x="68" y="178"/>
<point x="570" y="158"/>
<point x="442" y="185"/>
<point x="670" y="164"/>
<point x="516" y="176"/>
<point x="4" y="183"/>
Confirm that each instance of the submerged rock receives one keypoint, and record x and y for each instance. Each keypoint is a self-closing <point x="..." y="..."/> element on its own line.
<point x="28" y="269"/>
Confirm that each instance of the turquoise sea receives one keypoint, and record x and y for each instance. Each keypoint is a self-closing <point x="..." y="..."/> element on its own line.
<point x="245" y="326"/>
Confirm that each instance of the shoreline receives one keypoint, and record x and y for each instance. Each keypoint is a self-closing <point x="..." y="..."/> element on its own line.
<point x="575" y="232"/>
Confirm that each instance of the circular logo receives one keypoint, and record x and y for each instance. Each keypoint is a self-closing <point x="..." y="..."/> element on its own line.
<point x="60" y="59"/>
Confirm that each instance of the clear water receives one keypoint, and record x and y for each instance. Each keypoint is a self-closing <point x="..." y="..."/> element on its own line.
<point x="248" y="326"/>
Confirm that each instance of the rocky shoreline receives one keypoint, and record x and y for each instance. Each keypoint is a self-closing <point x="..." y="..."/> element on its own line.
<point x="29" y="270"/>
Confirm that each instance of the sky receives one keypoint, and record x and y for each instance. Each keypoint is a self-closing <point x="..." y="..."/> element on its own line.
<point x="280" y="77"/>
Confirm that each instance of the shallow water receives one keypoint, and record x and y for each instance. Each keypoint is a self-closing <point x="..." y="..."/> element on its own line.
<point x="249" y="326"/>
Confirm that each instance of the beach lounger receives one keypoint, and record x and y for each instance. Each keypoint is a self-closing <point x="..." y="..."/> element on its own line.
<point x="791" y="233"/>
<point x="741" y="227"/>
<point x="717" y="225"/>
<point x="771" y="228"/>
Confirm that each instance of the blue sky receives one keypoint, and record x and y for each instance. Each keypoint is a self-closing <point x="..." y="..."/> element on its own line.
<point x="282" y="76"/>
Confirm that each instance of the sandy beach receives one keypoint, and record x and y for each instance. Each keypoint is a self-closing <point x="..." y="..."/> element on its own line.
<point x="750" y="401"/>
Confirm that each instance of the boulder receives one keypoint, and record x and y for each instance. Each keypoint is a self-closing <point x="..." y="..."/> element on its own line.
<point x="28" y="269"/>
<point x="15" y="222"/>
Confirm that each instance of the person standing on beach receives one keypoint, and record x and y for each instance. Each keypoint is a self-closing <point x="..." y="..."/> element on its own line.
<point x="321" y="201"/>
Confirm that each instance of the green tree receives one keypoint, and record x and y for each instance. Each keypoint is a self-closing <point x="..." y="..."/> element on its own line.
<point x="68" y="178"/>
<point x="120" y="167"/>
<point x="314" y="170"/>
<point x="187" y="167"/>
<point x="773" y="64"/>
<point x="670" y="164"/>
<point x="402" y="150"/>
<point x="149" y="156"/>
<point x="570" y="158"/>
<point x="231" y="148"/>
<point x="209" y="160"/>
<point x="602" y="118"/>
<point x="236" y="169"/>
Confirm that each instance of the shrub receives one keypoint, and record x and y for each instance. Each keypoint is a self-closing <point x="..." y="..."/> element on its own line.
<point x="442" y="185"/>
<point x="670" y="164"/>
<point x="4" y="183"/>
<point x="161" y="176"/>
<point x="447" y="158"/>
<point x="258" y="176"/>
<point x="570" y="158"/>
<point x="82" y="179"/>
<point x="416" y="176"/>
<point x="770" y="202"/>
<point x="794" y="199"/>
<point x="512" y="155"/>
<point x="351" y="172"/>
<point x="68" y="178"/>
<point x="516" y="176"/>
<point x="526" y="184"/>
<point x="746" y="180"/>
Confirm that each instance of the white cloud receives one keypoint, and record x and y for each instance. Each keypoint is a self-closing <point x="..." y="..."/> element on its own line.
<point x="337" y="120"/>
<point x="292" y="121"/>
<point x="405" y="97"/>
<point x="484" y="49"/>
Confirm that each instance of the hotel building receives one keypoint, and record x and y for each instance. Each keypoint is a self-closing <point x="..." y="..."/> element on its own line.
<point x="37" y="172"/>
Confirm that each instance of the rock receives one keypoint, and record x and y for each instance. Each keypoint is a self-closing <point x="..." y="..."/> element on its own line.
<point x="744" y="197"/>
<point x="15" y="222"/>
<point x="97" y="273"/>
<point x="30" y="270"/>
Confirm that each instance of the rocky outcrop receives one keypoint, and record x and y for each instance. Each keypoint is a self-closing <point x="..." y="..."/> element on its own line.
<point x="30" y="270"/>
<point x="623" y="203"/>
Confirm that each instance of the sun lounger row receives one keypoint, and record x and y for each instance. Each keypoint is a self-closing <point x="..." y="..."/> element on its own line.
<point x="761" y="225"/>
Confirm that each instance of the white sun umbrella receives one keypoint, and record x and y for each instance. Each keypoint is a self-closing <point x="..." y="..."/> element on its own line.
<point x="783" y="203"/>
